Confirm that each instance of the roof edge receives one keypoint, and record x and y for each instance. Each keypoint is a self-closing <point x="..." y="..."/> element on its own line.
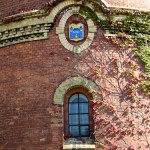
<point x="121" y="7"/>
<point x="40" y="12"/>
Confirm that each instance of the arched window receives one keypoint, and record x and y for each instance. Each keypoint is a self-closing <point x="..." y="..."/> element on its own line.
<point x="78" y="115"/>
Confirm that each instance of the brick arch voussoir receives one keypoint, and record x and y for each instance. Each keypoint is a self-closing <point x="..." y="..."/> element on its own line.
<point x="73" y="82"/>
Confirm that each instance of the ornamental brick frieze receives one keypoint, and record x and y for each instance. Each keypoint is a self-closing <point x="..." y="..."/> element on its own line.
<point x="23" y="34"/>
<point x="32" y="26"/>
<point x="36" y="25"/>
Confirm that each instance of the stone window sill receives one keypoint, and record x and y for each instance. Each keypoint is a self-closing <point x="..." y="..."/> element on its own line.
<point x="79" y="147"/>
<point x="83" y="143"/>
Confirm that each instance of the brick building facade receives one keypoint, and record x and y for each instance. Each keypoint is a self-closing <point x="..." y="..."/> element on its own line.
<point x="38" y="75"/>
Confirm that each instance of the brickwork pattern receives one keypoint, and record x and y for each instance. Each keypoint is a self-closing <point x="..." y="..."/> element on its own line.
<point x="30" y="74"/>
<point x="18" y="6"/>
<point x="36" y="24"/>
<point x="32" y="27"/>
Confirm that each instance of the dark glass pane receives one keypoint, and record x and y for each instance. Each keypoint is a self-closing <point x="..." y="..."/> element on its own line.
<point x="78" y="115"/>
<point x="74" y="130"/>
<point x="82" y="98"/>
<point x="83" y="108"/>
<point x="73" y="120"/>
<point x="73" y="108"/>
<point x="73" y="98"/>
<point x="84" y="119"/>
<point x="84" y="130"/>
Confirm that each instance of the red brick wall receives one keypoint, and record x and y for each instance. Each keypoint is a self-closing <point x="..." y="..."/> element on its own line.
<point x="18" y="6"/>
<point x="29" y="75"/>
<point x="11" y="7"/>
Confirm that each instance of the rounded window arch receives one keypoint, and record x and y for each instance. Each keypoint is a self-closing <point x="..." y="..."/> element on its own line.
<point x="79" y="115"/>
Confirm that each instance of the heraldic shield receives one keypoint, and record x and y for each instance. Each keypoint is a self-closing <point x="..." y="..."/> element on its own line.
<point x="76" y="32"/>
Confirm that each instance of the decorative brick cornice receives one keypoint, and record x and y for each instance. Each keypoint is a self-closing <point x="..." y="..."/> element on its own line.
<point x="16" y="29"/>
<point x="31" y="26"/>
<point x="27" y="33"/>
<point x="73" y="82"/>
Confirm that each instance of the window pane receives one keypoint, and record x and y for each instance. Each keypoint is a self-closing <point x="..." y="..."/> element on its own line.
<point x="82" y="98"/>
<point x="74" y="130"/>
<point x="84" y="119"/>
<point x="73" y="98"/>
<point x="83" y="107"/>
<point x="84" y="130"/>
<point x="73" y="120"/>
<point x="73" y="108"/>
<point x="78" y="115"/>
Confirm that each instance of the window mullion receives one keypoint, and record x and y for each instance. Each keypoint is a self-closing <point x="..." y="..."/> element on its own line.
<point x="79" y="116"/>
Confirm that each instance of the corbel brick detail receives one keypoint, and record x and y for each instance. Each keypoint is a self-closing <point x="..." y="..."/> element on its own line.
<point x="34" y="26"/>
<point x="23" y="34"/>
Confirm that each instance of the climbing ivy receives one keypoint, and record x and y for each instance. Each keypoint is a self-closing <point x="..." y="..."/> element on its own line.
<point x="135" y="26"/>
<point x="121" y="113"/>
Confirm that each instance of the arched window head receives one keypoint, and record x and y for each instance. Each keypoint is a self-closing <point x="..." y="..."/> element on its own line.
<point x="79" y="115"/>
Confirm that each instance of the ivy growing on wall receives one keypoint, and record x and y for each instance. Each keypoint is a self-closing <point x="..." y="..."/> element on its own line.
<point x="121" y="117"/>
<point x="135" y="25"/>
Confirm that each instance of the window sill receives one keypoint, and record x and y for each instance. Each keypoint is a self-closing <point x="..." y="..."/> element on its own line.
<point x="79" y="146"/>
<point x="83" y="143"/>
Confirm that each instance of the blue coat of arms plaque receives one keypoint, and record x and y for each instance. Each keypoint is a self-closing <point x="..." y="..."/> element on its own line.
<point x="76" y="32"/>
